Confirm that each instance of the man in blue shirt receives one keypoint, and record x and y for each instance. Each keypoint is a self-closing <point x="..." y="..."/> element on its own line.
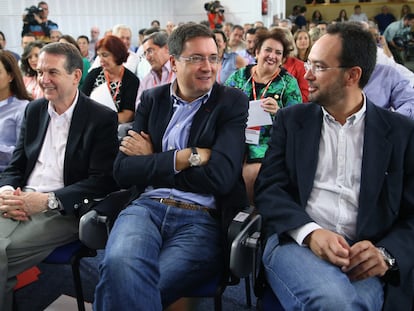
<point x="184" y="156"/>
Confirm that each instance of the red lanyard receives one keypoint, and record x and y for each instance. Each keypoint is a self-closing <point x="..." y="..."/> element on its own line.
<point x="168" y="80"/>
<point x="108" y="83"/>
<point x="265" y="89"/>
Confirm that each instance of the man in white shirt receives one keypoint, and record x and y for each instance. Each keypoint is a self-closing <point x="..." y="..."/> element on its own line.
<point x="335" y="189"/>
<point x="358" y="15"/>
<point x="64" y="155"/>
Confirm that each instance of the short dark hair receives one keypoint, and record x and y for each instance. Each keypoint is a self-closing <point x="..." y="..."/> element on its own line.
<point x="2" y="35"/>
<point x="358" y="48"/>
<point x="70" y="51"/>
<point x="114" y="45"/>
<point x="159" y="38"/>
<point x="186" y="32"/>
<point x="221" y="32"/>
<point x="83" y="37"/>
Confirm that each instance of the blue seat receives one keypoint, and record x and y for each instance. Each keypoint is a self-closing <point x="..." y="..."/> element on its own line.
<point x="72" y="253"/>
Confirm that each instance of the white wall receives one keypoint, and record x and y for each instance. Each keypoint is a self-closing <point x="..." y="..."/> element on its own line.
<point x="75" y="17"/>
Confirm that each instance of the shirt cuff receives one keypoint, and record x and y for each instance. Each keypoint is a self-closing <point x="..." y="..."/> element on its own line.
<point x="302" y="232"/>
<point x="6" y="188"/>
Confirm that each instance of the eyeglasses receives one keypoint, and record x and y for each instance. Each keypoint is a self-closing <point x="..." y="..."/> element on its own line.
<point x="198" y="59"/>
<point x="315" y="68"/>
<point x="149" y="52"/>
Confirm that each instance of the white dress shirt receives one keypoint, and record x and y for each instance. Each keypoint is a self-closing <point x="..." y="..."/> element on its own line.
<point x="333" y="202"/>
<point x="47" y="174"/>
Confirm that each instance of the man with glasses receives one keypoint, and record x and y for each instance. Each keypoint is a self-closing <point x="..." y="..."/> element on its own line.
<point x="336" y="189"/>
<point x="157" y="54"/>
<point x="184" y="156"/>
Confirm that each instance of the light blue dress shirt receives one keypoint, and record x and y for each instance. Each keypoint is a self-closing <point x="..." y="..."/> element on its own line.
<point x="11" y="117"/>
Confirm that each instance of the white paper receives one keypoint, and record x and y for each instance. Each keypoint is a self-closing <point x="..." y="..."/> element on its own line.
<point x="252" y="136"/>
<point x="257" y="115"/>
<point x="102" y="95"/>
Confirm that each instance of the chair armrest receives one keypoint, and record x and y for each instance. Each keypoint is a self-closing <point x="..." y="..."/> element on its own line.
<point x="95" y="225"/>
<point x="244" y="248"/>
<point x="93" y="230"/>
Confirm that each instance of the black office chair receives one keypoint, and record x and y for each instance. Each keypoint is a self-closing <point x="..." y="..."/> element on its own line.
<point x="94" y="229"/>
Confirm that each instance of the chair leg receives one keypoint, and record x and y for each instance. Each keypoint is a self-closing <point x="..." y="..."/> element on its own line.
<point x="78" y="283"/>
<point x="248" y="291"/>
<point x="217" y="303"/>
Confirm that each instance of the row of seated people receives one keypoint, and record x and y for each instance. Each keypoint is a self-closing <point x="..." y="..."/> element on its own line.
<point x="187" y="142"/>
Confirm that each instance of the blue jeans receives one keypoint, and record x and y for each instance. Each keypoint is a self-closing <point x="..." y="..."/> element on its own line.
<point x="156" y="254"/>
<point x="303" y="281"/>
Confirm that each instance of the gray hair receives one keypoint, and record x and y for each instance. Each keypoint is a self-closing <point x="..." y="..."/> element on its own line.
<point x="159" y="38"/>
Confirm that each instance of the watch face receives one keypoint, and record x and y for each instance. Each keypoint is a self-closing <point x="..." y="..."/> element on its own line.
<point x="195" y="159"/>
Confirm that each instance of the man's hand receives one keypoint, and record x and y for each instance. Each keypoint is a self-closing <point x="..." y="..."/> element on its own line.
<point x="21" y="205"/>
<point x="329" y="246"/>
<point x="365" y="261"/>
<point x="136" y="144"/>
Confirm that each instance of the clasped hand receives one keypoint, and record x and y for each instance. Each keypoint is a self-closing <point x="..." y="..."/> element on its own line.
<point x="359" y="261"/>
<point x="136" y="144"/>
<point x="19" y="205"/>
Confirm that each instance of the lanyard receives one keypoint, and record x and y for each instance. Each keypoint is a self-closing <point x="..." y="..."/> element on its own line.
<point x="265" y="89"/>
<point x="168" y="80"/>
<point x="108" y="83"/>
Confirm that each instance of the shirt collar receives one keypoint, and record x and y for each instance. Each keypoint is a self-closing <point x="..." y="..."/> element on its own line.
<point x="176" y="98"/>
<point x="354" y="118"/>
<point x="68" y="113"/>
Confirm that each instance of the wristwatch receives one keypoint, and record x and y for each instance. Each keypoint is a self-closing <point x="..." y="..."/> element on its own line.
<point x="389" y="260"/>
<point x="194" y="159"/>
<point x="52" y="202"/>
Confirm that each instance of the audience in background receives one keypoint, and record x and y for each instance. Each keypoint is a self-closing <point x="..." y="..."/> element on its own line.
<point x="342" y="16"/>
<point x="156" y="52"/>
<point x="38" y="23"/>
<point x="83" y="43"/>
<point x="300" y="20"/>
<point x="55" y="35"/>
<point x="358" y="15"/>
<point x="303" y="44"/>
<point x="93" y="40"/>
<point x="249" y="52"/>
<point x="229" y="61"/>
<point x="26" y="39"/>
<point x="3" y="46"/>
<point x="85" y="61"/>
<point x="316" y="16"/>
<point x="112" y="84"/>
<point x="235" y="41"/>
<point x="405" y="9"/>
<point x="28" y="66"/>
<point x="384" y="19"/>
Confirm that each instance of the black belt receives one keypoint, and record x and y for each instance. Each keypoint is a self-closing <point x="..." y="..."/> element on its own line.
<point x="183" y="205"/>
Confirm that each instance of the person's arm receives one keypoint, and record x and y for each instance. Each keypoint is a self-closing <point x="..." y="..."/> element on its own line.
<point x="224" y="135"/>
